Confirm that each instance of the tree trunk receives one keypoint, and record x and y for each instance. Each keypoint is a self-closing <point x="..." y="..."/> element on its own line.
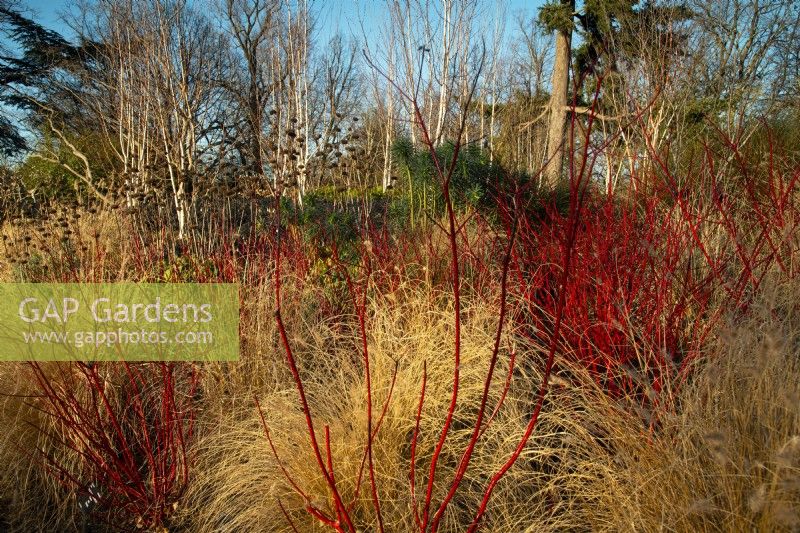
<point x="558" y="103"/>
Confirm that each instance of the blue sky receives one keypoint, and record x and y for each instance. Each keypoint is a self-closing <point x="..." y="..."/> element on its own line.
<point x="45" y="11"/>
<point x="344" y="16"/>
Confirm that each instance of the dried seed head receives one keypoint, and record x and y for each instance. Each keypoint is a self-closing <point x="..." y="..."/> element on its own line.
<point x="786" y="455"/>
<point x="786" y="515"/>
<point x="716" y="443"/>
<point x="757" y="499"/>
<point x="702" y="506"/>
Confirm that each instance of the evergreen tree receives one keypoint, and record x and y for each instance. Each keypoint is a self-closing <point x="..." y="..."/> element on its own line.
<point x="24" y="74"/>
<point x="604" y="30"/>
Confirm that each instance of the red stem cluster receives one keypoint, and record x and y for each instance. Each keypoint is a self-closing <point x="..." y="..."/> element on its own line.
<point x="129" y="424"/>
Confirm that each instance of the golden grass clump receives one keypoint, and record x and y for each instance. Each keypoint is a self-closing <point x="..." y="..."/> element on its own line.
<point x="728" y="461"/>
<point x="31" y="498"/>
<point x="238" y="483"/>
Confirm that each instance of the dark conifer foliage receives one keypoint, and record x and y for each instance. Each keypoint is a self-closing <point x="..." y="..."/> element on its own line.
<point x="23" y="71"/>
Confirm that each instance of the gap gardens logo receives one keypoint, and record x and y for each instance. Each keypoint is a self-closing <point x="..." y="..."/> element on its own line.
<point x="119" y="321"/>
